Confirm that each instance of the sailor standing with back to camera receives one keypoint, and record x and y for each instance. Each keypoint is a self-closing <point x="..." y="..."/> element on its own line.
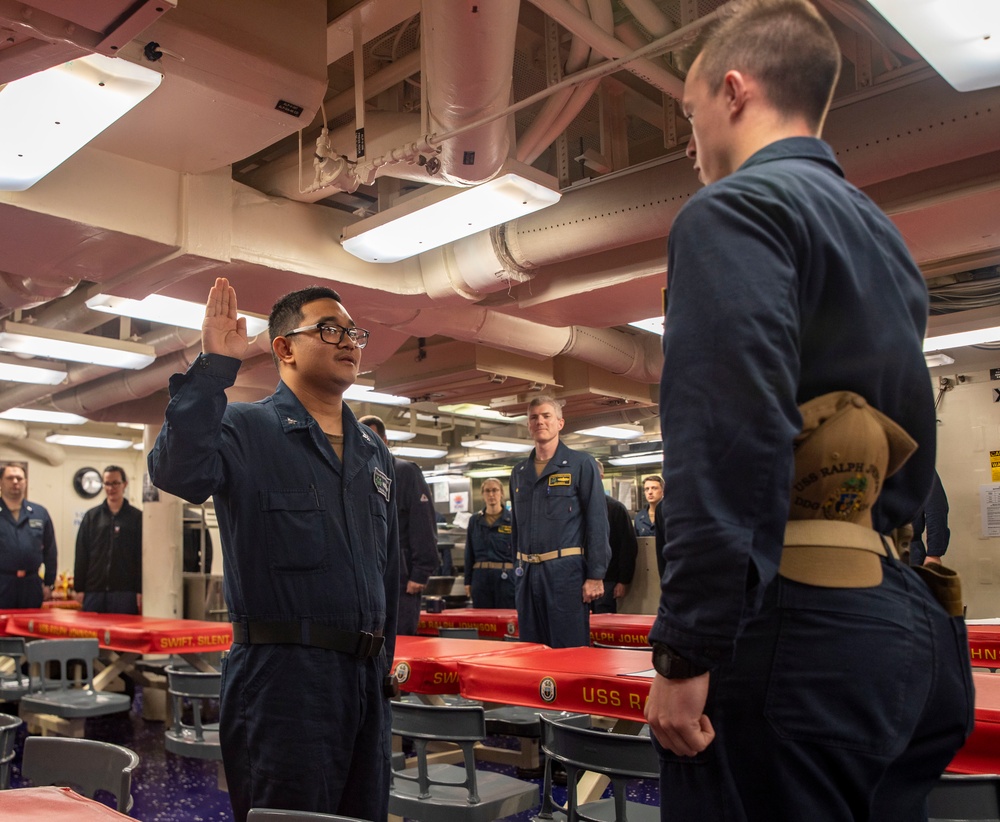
<point x="803" y="673"/>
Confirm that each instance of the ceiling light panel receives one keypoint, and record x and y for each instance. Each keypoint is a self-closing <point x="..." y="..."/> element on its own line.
<point x="50" y="115"/>
<point x="168" y="310"/>
<point x="20" y="338"/>
<point x="42" y="415"/>
<point x="444" y="215"/>
<point x="504" y="444"/>
<point x="13" y="369"/>
<point x="88" y="442"/>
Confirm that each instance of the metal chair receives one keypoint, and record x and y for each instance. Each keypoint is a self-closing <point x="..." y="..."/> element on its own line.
<point x="966" y="798"/>
<point x="451" y="793"/>
<point x="58" y="694"/>
<point x="13" y="683"/>
<point x="273" y="815"/>
<point x="198" y="739"/>
<point x="85" y="765"/>
<point x="8" y="735"/>
<point x="616" y="756"/>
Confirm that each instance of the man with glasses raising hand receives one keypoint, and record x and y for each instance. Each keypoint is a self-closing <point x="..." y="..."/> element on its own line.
<point x="304" y="497"/>
<point x="107" y="574"/>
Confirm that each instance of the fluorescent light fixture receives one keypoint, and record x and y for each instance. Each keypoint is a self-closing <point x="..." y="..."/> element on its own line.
<point x="445" y="214"/>
<point x="486" y="473"/>
<point x="959" y="38"/>
<point x="438" y="478"/>
<point x="48" y="116"/>
<point x="365" y="393"/>
<point x="138" y="446"/>
<point x="418" y="452"/>
<point x="491" y="443"/>
<point x="647" y="458"/>
<point x="479" y="412"/>
<point x="41" y="415"/>
<point x="88" y="442"/>
<point x="169" y="310"/>
<point x="614" y="432"/>
<point x="654" y="324"/>
<point x="20" y="338"/>
<point x="13" y="369"/>
<point x="395" y="435"/>
<point x="962" y="338"/>
<point x="934" y="360"/>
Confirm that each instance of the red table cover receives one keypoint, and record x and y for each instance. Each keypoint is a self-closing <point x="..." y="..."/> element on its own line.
<point x="495" y="623"/>
<point x="124" y="632"/>
<point x="588" y="680"/>
<point x="984" y="645"/>
<point x="621" y="629"/>
<point x="981" y="753"/>
<point x="429" y="665"/>
<point x="53" y="805"/>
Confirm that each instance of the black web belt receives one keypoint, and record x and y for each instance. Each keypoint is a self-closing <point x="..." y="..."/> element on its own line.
<point x="314" y="634"/>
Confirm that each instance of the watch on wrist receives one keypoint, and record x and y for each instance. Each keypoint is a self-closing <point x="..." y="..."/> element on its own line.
<point x="671" y="665"/>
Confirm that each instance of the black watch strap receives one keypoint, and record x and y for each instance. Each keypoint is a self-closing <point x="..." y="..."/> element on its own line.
<point x="670" y="664"/>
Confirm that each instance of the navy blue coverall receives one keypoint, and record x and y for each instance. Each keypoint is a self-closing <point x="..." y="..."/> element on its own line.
<point x="308" y="539"/>
<point x="491" y="587"/>
<point x="418" y="554"/>
<point x="787" y="283"/>
<point x="930" y="529"/>
<point x="25" y="545"/>
<point x="562" y="508"/>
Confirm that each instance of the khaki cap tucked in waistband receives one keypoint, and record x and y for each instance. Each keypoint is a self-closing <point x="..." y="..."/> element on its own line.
<point x="832" y="554"/>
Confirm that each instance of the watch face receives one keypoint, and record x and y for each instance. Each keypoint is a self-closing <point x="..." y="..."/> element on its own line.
<point x="88" y="482"/>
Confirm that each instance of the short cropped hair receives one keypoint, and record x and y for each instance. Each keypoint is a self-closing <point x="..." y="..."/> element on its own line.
<point x="546" y="399"/>
<point x="654" y="478"/>
<point x="375" y="423"/>
<point x="117" y="468"/>
<point x="6" y="465"/>
<point x="785" y="45"/>
<point x="286" y="313"/>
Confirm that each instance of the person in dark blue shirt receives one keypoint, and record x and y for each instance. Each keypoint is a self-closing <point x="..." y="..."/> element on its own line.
<point x="931" y="534"/>
<point x="417" y="525"/>
<point x="304" y="496"/>
<point x="27" y="544"/>
<point x="776" y="698"/>
<point x="489" y="558"/>
<point x="645" y="517"/>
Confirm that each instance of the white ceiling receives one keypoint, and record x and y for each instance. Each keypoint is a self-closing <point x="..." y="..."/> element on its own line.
<point x="201" y="180"/>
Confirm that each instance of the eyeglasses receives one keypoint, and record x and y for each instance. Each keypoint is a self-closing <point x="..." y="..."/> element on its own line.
<point x="334" y="334"/>
<point x="114" y="484"/>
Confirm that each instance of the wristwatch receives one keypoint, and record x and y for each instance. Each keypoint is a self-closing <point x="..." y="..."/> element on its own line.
<point x="670" y="664"/>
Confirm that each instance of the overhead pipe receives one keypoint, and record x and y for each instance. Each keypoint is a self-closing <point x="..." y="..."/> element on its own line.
<point x="578" y="57"/>
<point x="600" y="40"/>
<point x="636" y="356"/>
<point x="15" y="435"/>
<point x="124" y="386"/>
<point x="469" y="50"/>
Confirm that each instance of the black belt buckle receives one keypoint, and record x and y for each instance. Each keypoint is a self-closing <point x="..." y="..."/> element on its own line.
<point x="368" y="644"/>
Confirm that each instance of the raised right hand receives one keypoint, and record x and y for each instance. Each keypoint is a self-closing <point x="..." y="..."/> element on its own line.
<point x="222" y="332"/>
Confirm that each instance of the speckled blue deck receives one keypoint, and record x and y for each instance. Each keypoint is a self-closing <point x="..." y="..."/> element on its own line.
<point x="169" y="788"/>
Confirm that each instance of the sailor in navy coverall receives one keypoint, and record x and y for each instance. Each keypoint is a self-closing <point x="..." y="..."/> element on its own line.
<point x="304" y="498"/>
<point x="559" y="533"/>
<point x="27" y="541"/>
<point x="417" y="527"/>
<point x="776" y="699"/>
<point x="489" y="558"/>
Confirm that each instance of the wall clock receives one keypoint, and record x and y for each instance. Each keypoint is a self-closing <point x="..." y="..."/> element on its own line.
<point x="88" y="482"/>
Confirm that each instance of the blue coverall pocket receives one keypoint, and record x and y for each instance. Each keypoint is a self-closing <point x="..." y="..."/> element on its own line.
<point x="834" y="642"/>
<point x="295" y="530"/>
